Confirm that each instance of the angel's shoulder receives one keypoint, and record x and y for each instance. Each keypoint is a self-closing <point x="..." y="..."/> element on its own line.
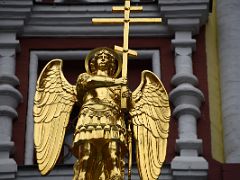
<point x="83" y="77"/>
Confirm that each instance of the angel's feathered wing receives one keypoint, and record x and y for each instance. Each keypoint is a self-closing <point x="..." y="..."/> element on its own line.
<point x="150" y="117"/>
<point x="53" y="103"/>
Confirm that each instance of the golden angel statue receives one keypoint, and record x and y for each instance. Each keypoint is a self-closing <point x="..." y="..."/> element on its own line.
<point x="101" y="138"/>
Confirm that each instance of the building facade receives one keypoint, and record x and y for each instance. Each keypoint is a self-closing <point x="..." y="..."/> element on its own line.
<point x="195" y="51"/>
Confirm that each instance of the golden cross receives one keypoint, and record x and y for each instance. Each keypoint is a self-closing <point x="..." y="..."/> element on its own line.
<point x="125" y="51"/>
<point x="126" y="20"/>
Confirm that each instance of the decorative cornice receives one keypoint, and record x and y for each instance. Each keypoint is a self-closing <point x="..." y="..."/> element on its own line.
<point x="185" y="15"/>
<point x="75" y="21"/>
<point x="13" y="13"/>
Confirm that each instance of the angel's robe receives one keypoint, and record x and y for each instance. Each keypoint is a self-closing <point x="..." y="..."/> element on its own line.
<point x="100" y="119"/>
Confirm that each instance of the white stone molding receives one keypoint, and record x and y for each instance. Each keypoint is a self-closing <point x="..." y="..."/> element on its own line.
<point x="187" y="100"/>
<point x="229" y="52"/>
<point x="37" y="56"/>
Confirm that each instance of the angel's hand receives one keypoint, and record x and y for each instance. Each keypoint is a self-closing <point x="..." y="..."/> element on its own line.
<point x="128" y="93"/>
<point x="121" y="81"/>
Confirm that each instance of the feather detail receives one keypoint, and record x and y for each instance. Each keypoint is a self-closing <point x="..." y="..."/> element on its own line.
<point x="53" y="102"/>
<point x="150" y="115"/>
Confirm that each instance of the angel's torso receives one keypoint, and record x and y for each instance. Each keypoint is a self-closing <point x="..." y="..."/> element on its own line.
<point x="100" y="115"/>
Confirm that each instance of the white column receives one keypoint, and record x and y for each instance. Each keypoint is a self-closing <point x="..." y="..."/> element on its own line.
<point x="9" y="100"/>
<point x="187" y="100"/>
<point x="229" y="54"/>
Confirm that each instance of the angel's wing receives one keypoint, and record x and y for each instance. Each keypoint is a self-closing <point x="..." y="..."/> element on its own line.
<point x="150" y="117"/>
<point x="53" y="103"/>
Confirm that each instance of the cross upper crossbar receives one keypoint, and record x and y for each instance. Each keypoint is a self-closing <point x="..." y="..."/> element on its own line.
<point x="121" y="20"/>
<point x="122" y="8"/>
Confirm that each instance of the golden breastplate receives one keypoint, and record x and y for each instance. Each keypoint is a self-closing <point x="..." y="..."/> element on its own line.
<point x="102" y="96"/>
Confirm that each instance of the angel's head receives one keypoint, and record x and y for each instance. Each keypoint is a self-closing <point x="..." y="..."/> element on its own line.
<point x="104" y="59"/>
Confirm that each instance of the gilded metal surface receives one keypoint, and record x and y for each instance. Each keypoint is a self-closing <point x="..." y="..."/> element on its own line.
<point x="102" y="139"/>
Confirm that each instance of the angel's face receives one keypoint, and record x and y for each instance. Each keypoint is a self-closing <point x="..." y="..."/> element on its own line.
<point x="103" y="62"/>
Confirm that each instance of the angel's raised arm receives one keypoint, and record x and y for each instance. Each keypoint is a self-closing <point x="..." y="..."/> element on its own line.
<point x="86" y="81"/>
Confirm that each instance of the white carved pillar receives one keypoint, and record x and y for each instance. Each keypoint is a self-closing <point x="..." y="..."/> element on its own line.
<point x="186" y="99"/>
<point x="184" y="18"/>
<point x="9" y="100"/>
<point x="12" y="22"/>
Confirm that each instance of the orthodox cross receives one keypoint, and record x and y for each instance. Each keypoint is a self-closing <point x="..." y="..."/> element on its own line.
<point x="127" y="8"/>
<point x="126" y="21"/>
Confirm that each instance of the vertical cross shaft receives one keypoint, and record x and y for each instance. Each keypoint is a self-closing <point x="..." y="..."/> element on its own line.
<point x="125" y="38"/>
